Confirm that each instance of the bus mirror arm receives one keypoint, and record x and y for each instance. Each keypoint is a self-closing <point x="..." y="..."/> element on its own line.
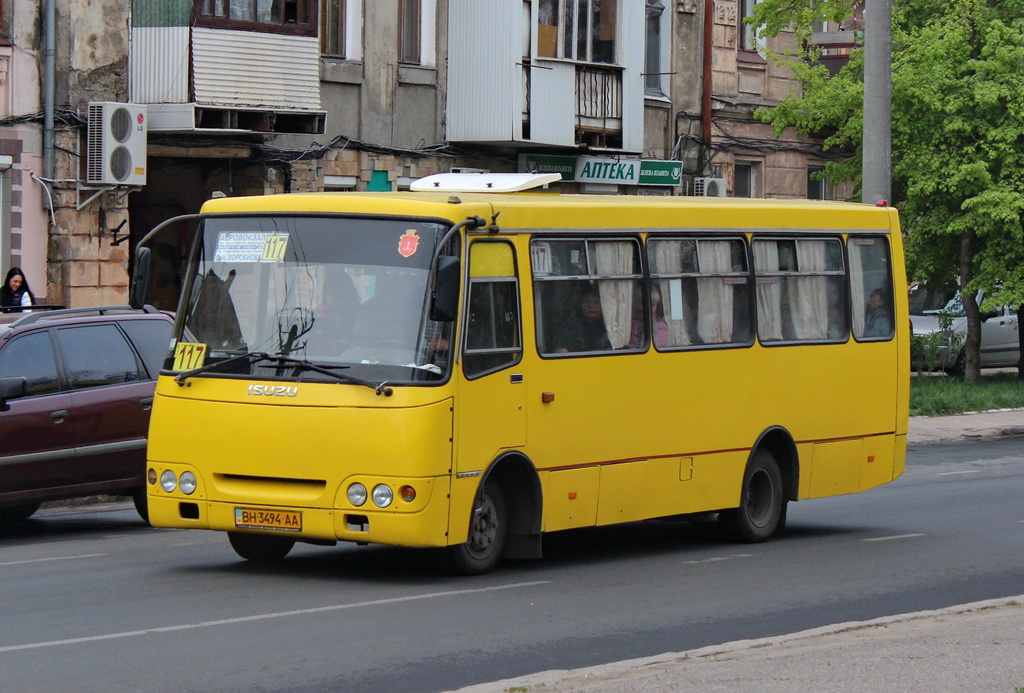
<point x="445" y="271"/>
<point x="138" y="293"/>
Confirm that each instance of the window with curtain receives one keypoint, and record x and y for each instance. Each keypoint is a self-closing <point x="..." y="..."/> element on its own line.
<point x="275" y="16"/>
<point x="801" y="289"/>
<point x="587" y="295"/>
<point x="655" y="65"/>
<point x="700" y="291"/>
<point x="871" y="287"/>
<point x="332" y="28"/>
<point x="409" y="32"/>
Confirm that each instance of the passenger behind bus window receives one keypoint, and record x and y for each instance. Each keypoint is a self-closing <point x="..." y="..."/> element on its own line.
<point x="659" y="326"/>
<point x="585" y="329"/>
<point x="877" y="322"/>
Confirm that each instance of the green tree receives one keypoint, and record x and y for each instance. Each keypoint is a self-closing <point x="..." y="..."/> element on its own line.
<point x="957" y="136"/>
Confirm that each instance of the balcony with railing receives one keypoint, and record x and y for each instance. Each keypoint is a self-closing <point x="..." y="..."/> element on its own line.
<point x="599" y="106"/>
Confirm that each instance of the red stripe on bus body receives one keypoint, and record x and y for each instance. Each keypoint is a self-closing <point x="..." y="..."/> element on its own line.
<point x="602" y="463"/>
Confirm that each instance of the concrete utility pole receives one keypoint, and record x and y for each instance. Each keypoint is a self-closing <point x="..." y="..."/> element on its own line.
<point x="877" y="162"/>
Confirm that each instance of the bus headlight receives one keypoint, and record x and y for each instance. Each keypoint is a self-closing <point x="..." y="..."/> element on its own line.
<point x="187" y="483"/>
<point x="168" y="482"/>
<point x="382" y="495"/>
<point x="408" y="493"/>
<point x="357" y="494"/>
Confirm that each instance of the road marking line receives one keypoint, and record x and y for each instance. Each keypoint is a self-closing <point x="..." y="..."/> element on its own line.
<point x="264" y="617"/>
<point x="895" y="536"/>
<point x="56" y="558"/>
<point x="716" y="559"/>
<point x="969" y="471"/>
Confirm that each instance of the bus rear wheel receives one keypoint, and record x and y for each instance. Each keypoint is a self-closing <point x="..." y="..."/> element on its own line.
<point x="487" y="530"/>
<point x="762" y="502"/>
<point x="260" y="547"/>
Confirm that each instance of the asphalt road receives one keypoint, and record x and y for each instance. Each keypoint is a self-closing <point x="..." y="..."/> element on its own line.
<point x="93" y="600"/>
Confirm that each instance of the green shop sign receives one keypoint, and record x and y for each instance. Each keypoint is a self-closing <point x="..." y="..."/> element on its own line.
<point x="588" y="169"/>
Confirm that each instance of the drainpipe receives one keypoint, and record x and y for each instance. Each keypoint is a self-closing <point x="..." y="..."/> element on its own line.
<point x="705" y="97"/>
<point x="49" y="90"/>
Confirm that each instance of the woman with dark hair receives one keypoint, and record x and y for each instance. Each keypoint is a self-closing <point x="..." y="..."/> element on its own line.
<point x="15" y="291"/>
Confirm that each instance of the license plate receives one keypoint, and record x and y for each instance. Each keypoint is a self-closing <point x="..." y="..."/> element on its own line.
<point x="254" y="518"/>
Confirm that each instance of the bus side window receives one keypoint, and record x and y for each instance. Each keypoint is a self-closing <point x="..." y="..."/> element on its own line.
<point x="871" y="286"/>
<point x="493" y="339"/>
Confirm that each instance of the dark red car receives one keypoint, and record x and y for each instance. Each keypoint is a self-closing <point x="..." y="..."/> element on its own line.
<point x="76" y="388"/>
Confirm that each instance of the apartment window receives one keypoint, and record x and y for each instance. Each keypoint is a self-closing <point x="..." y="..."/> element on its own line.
<point x="582" y="30"/>
<point x="745" y="181"/>
<point x="816" y="183"/>
<point x="747" y="32"/>
<point x="332" y="28"/>
<point x="276" y="16"/>
<point x="654" y="57"/>
<point x="409" y="32"/>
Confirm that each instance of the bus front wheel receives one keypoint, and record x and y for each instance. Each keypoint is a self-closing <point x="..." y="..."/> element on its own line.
<point x="487" y="531"/>
<point x="260" y="547"/>
<point x="762" y="502"/>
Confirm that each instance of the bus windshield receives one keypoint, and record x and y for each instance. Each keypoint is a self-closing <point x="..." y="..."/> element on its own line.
<point x="341" y="293"/>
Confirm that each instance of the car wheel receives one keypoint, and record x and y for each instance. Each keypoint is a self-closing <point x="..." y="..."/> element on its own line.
<point x="260" y="547"/>
<point x="17" y="513"/>
<point x="487" y="531"/>
<point x="762" y="502"/>
<point x="141" y="500"/>
<point x="958" y="366"/>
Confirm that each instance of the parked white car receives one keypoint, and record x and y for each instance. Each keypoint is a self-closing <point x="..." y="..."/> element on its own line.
<point x="1000" y="345"/>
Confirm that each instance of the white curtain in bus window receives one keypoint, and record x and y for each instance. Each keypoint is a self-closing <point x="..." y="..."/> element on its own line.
<point x="616" y="258"/>
<point x="670" y="261"/>
<point x="714" y="296"/>
<point x="808" y="292"/>
<point x="871" y="285"/>
<point x="769" y="291"/>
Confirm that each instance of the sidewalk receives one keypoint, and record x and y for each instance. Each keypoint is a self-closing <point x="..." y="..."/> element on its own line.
<point x="973" y="647"/>
<point x="927" y="429"/>
<point x="970" y="647"/>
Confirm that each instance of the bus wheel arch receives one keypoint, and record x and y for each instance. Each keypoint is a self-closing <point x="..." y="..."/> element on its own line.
<point x="513" y="479"/>
<point x="770" y="481"/>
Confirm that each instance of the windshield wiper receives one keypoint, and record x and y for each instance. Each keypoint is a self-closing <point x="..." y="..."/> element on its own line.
<point x="299" y="364"/>
<point x="304" y="365"/>
<point x="252" y="356"/>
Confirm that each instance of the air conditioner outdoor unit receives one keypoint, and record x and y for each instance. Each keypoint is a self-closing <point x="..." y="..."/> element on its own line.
<point x="709" y="187"/>
<point x="116" y="153"/>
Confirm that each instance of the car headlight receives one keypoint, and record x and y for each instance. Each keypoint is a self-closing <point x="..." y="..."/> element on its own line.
<point x="382" y="495"/>
<point x="357" y="494"/>
<point x="168" y="482"/>
<point x="187" y="483"/>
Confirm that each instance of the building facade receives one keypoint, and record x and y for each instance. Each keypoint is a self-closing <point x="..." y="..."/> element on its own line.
<point x="262" y="96"/>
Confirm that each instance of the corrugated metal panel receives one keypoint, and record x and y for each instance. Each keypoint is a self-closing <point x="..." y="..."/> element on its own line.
<point x="484" y="82"/>
<point x="245" y="68"/>
<point x="553" y="103"/>
<point x="159" y="65"/>
<point x="632" y="55"/>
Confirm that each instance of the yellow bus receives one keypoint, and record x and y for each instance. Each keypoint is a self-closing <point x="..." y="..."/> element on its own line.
<point x="480" y="361"/>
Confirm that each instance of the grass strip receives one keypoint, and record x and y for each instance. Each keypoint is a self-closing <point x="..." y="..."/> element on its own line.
<point x="935" y="395"/>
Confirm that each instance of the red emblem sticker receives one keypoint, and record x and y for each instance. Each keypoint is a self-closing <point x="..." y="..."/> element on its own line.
<point x="408" y="243"/>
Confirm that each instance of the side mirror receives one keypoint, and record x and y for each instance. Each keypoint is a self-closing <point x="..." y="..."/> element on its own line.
<point x="11" y="388"/>
<point x="138" y="293"/>
<point x="445" y="304"/>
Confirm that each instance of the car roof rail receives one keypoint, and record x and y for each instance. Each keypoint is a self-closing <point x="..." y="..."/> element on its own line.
<point x="66" y="312"/>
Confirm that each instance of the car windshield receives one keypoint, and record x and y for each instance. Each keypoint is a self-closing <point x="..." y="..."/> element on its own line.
<point x="928" y="301"/>
<point x="349" y="294"/>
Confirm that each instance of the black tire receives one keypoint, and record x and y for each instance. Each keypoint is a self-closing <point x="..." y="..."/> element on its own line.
<point x="488" y="528"/>
<point x="17" y="513"/>
<point x="762" y="502"/>
<point x="260" y="547"/>
<point x="141" y="501"/>
<point x="958" y="366"/>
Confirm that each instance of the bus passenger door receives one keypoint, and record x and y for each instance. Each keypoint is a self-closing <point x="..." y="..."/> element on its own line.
<point x="490" y="406"/>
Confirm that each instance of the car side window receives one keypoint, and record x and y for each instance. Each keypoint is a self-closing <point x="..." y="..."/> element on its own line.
<point x="152" y="339"/>
<point x="31" y="357"/>
<point x="98" y="355"/>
